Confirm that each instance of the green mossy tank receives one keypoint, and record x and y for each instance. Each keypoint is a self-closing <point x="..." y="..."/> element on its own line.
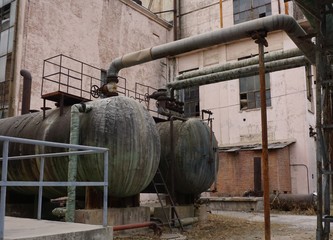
<point x="196" y="155"/>
<point x="119" y="123"/>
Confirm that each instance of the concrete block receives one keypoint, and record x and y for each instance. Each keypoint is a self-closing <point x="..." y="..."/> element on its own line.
<point x="236" y="203"/>
<point x="116" y="216"/>
<point x="183" y="212"/>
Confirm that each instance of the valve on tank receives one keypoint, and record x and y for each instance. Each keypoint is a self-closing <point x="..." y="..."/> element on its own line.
<point x="167" y="105"/>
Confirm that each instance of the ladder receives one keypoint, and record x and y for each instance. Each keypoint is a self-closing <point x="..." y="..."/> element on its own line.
<point x="160" y="189"/>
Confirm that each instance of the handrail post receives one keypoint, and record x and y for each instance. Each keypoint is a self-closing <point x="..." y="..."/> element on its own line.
<point x="3" y="187"/>
<point x="40" y="188"/>
<point x="106" y="181"/>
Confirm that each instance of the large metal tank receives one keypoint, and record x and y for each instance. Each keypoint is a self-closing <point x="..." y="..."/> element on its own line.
<point x="195" y="155"/>
<point x="121" y="124"/>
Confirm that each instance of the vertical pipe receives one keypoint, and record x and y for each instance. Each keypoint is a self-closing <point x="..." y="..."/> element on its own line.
<point x="3" y="187"/>
<point x="286" y="8"/>
<point x="175" y="27"/>
<point x="261" y="41"/>
<point x="60" y="69"/>
<point x="26" y="91"/>
<point x="172" y="160"/>
<point x="319" y="150"/>
<point x="179" y="20"/>
<point x="40" y="188"/>
<point x="106" y="182"/>
<point x="72" y="163"/>
<point x="221" y="14"/>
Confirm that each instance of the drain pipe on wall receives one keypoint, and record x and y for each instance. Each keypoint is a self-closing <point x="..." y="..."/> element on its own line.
<point x="26" y="96"/>
<point x="76" y="109"/>
<point x="220" y="36"/>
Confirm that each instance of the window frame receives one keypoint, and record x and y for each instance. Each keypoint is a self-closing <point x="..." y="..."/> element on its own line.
<point x="250" y="9"/>
<point x="249" y="92"/>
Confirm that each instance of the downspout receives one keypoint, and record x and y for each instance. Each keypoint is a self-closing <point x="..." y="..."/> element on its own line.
<point x="251" y="70"/>
<point x="76" y="109"/>
<point x="269" y="57"/>
<point x="220" y="36"/>
<point x="175" y="26"/>
<point x="26" y="91"/>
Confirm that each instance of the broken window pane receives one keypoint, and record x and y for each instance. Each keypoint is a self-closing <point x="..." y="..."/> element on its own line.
<point x="249" y="89"/>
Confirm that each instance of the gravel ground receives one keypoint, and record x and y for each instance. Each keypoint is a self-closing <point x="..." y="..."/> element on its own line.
<point x="245" y="225"/>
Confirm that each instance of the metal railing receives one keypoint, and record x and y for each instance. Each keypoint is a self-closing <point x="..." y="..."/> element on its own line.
<point x="72" y="150"/>
<point x="69" y="75"/>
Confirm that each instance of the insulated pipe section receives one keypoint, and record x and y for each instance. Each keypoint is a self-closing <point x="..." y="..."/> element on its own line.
<point x="238" y="73"/>
<point x="76" y="110"/>
<point x="269" y="57"/>
<point x="224" y="35"/>
<point x="26" y="91"/>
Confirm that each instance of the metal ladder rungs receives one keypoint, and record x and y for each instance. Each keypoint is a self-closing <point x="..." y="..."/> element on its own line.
<point x="325" y="172"/>
<point x="327" y="218"/>
<point x="174" y="214"/>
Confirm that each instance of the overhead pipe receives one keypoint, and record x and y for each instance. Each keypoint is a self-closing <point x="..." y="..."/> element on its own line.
<point x="238" y="73"/>
<point x="269" y="57"/>
<point x="220" y="36"/>
<point x="26" y="96"/>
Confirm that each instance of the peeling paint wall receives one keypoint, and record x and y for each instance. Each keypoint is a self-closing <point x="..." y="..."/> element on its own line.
<point x="94" y="32"/>
<point x="290" y="113"/>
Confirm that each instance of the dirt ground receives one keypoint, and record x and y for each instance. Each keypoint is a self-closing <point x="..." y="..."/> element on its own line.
<point x="243" y="225"/>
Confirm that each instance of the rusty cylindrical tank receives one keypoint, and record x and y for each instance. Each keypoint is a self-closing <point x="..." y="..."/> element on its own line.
<point x="195" y="151"/>
<point x="121" y="124"/>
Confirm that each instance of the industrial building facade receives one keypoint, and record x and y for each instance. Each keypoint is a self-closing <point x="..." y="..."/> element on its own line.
<point x="96" y="32"/>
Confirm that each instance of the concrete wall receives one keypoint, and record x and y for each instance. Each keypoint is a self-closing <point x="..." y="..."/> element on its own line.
<point x="94" y="32"/>
<point x="290" y="113"/>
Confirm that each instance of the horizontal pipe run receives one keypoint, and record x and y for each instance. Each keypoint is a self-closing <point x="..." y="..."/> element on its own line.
<point x="220" y="36"/>
<point x="134" y="225"/>
<point x="269" y="57"/>
<point x="238" y="73"/>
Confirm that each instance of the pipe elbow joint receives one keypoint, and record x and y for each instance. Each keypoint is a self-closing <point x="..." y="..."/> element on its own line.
<point x="114" y="68"/>
<point x="26" y="74"/>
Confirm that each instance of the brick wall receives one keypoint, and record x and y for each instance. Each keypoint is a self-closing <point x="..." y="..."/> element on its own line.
<point x="236" y="172"/>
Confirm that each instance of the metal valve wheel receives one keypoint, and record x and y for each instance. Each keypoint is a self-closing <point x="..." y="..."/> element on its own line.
<point x="95" y="91"/>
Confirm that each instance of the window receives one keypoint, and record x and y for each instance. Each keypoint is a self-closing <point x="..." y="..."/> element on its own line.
<point x="251" y="9"/>
<point x="249" y="88"/>
<point x="7" y="22"/>
<point x="191" y="102"/>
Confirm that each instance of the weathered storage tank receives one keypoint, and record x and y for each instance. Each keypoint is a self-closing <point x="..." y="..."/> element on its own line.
<point x="195" y="155"/>
<point x="121" y="124"/>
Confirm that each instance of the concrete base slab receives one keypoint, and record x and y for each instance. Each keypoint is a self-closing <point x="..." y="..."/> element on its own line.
<point x="116" y="216"/>
<point x="235" y="203"/>
<point x="32" y="229"/>
<point x="183" y="212"/>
